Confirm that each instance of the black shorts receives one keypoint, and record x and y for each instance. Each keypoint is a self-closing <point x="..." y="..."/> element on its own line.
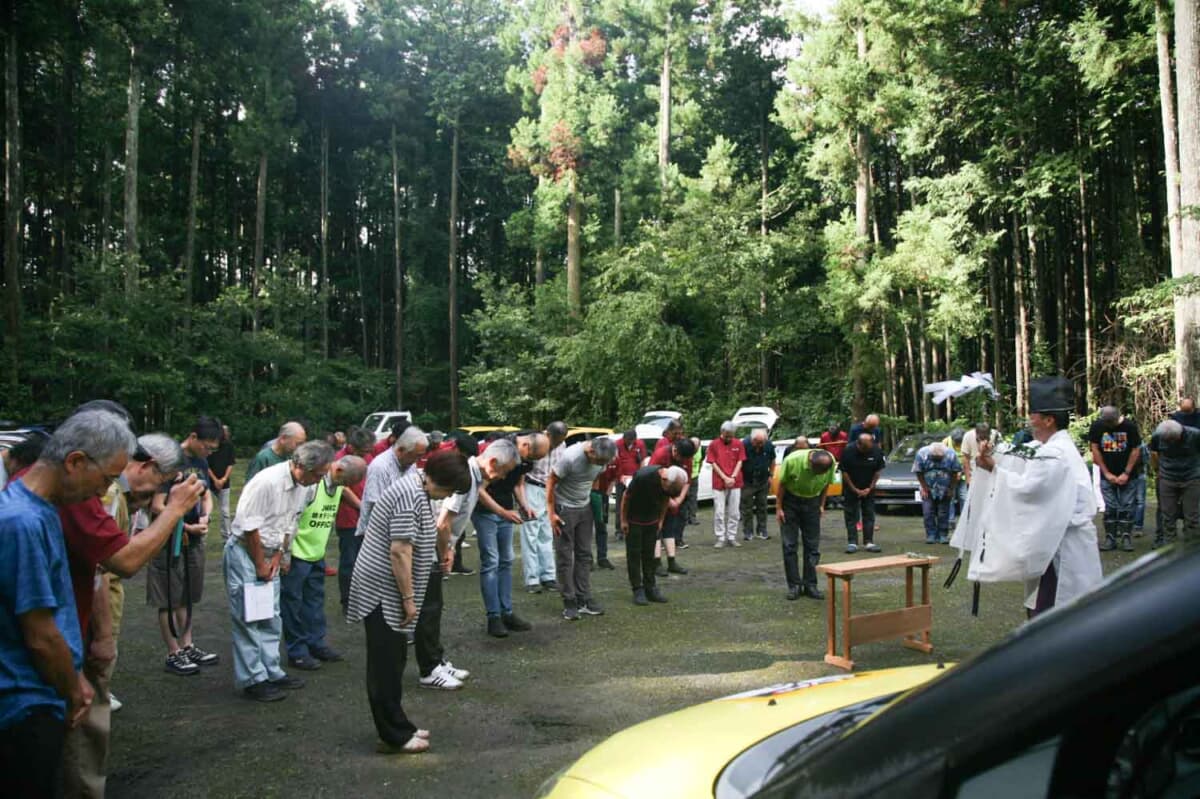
<point x="157" y="583"/>
<point x="672" y="526"/>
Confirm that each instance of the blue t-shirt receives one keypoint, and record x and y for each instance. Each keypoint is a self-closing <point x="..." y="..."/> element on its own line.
<point x="937" y="473"/>
<point x="33" y="574"/>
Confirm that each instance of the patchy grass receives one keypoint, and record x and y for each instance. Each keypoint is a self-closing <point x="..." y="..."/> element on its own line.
<point x="535" y="701"/>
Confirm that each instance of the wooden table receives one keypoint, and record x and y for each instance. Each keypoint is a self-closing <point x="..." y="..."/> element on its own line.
<point x="913" y="622"/>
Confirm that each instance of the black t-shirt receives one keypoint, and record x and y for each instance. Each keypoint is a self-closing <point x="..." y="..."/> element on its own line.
<point x="1187" y="419"/>
<point x="222" y="459"/>
<point x="861" y="467"/>
<point x="503" y="490"/>
<point x="1116" y="445"/>
<point x="1179" y="462"/>
<point x="645" y="497"/>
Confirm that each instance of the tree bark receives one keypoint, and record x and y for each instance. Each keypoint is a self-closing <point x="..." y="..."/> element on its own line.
<point x="131" y="171"/>
<point x="616" y="218"/>
<point x="362" y="284"/>
<point x="862" y="220"/>
<point x="539" y="265"/>
<point x="664" y="110"/>
<point x="1187" y="310"/>
<point x="453" y="276"/>
<point x="189" y="249"/>
<point x="574" y="276"/>
<point x="1021" y="335"/>
<point x="13" y="198"/>
<point x="323" y="285"/>
<point x="105" y="198"/>
<point x="397" y="268"/>
<point x="260" y="229"/>
<point x="1166" y="97"/>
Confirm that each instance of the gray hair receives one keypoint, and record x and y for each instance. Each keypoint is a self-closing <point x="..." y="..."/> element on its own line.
<point x="983" y="431"/>
<point x="557" y="429"/>
<point x="604" y="447"/>
<point x="728" y="427"/>
<point x="291" y="430"/>
<point x="937" y="450"/>
<point x="1109" y="414"/>
<point x="501" y="452"/>
<point x="98" y="434"/>
<point x="312" y="455"/>
<point x="410" y="438"/>
<point x="1170" y="430"/>
<point x="353" y="468"/>
<point x="758" y="434"/>
<point x="676" y="477"/>
<point x="165" y="451"/>
<point x="436" y="437"/>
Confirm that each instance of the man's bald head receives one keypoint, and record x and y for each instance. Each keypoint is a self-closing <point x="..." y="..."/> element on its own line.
<point x="871" y="422"/>
<point x="1187" y="405"/>
<point x="820" y="461"/>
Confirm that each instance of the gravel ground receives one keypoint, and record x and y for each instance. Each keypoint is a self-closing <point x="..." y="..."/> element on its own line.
<point x="536" y="700"/>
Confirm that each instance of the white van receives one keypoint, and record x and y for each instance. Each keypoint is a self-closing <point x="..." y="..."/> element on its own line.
<point x="380" y="423"/>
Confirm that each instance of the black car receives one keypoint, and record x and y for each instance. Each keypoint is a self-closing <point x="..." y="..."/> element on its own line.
<point x="897" y="485"/>
<point x="1100" y="698"/>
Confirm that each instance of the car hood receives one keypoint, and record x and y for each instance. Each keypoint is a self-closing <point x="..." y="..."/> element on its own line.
<point x="682" y="754"/>
<point x="901" y="470"/>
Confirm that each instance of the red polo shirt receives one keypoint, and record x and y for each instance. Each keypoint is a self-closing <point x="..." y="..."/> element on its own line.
<point x="380" y="447"/>
<point x="92" y="537"/>
<point x="835" y="444"/>
<point x="347" y="516"/>
<point x="727" y="457"/>
<point x="630" y="457"/>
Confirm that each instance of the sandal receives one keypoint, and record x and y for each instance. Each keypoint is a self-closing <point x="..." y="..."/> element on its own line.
<point x="422" y="734"/>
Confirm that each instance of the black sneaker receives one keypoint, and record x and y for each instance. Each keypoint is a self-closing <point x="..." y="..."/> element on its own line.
<point x="675" y="568"/>
<point x="605" y="563"/>
<point x="515" y="623"/>
<point x="660" y="571"/>
<point x="639" y="597"/>
<point x="793" y="592"/>
<point x="289" y="682"/>
<point x="685" y="546"/>
<point x="264" y="692"/>
<point x="812" y="592"/>
<point x="179" y="663"/>
<point x="462" y="570"/>
<point x="326" y="655"/>
<point x="496" y="628"/>
<point x="1126" y="543"/>
<point x="570" y="612"/>
<point x="1110" y="543"/>
<point x="199" y="656"/>
<point x="536" y="588"/>
<point x="550" y="585"/>
<point x="591" y="608"/>
<point x="304" y="664"/>
<point x="655" y="595"/>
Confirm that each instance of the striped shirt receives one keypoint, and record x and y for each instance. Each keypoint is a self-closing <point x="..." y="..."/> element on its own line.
<point x="381" y="473"/>
<point x="403" y="513"/>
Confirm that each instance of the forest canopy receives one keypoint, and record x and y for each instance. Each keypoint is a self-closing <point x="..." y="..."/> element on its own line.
<point x="495" y="211"/>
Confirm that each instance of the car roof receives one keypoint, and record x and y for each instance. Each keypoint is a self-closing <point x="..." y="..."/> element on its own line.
<point x="476" y="429"/>
<point x="1143" y="616"/>
<point x="606" y="431"/>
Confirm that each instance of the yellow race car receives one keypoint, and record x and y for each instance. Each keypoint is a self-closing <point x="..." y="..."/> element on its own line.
<point x="726" y="740"/>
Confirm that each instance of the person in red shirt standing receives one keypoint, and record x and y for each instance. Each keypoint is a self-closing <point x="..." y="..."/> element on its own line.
<point x="94" y="538"/>
<point x="726" y="454"/>
<point x="631" y="454"/>
<point x="361" y="443"/>
<point x="672" y="433"/>
<point x="678" y="454"/>
<point x="834" y="441"/>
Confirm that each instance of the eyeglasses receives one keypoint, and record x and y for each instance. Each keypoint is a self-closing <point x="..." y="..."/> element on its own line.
<point x="107" y="477"/>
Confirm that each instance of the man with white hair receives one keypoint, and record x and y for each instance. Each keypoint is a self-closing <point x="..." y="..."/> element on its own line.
<point x="291" y="435"/>
<point x="45" y="692"/>
<point x="1175" y="454"/>
<point x="263" y="530"/>
<point x="726" y="454"/>
<point x="643" y="509"/>
<point x="937" y="470"/>
<point x="302" y="586"/>
<point x="388" y="467"/>
<point x="568" y="497"/>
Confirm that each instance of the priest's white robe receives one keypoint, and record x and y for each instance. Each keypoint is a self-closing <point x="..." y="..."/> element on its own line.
<point x="1029" y="513"/>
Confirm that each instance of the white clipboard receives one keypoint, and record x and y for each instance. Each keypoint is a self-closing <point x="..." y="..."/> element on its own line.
<point x="258" y="601"/>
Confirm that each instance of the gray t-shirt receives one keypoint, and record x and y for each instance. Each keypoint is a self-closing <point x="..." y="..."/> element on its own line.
<point x="1180" y="461"/>
<point x="575" y="477"/>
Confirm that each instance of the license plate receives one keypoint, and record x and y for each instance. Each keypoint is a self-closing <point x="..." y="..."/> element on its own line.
<point x="917" y="495"/>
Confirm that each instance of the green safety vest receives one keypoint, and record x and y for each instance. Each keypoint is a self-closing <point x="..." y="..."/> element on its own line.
<point x="316" y="522"/>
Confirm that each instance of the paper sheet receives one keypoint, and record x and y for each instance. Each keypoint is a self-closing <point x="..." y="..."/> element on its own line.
<point x="258" y="601"/>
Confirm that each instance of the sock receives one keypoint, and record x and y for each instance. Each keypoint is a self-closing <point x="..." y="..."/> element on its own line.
<point x="671" y="561"/>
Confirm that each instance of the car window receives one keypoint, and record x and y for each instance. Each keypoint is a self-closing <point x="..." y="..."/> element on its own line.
<point x="372" y="422"/>
<point x="906" y="450"/>
<point x="1027" y="775"/>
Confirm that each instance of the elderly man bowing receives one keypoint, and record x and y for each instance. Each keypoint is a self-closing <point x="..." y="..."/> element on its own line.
<point x="263" y="530"/>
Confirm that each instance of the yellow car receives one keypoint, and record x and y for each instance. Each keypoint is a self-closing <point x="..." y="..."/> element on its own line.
<point x="708" y="740"/>
<point x="577" y="434"/>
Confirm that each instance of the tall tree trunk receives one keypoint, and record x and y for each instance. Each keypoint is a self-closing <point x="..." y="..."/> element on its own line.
<point x="764" y="176"/>
<point x="1021" y="335"/>
<point x="913" y="366"/>
<point x="539" y="265"/>
<point x="189" y="249"/>
<point x="1166" y="99"/>
<point x="260" y="229"/>
<point x="664" y="110"/>
<point x="996" y="317"/>
<point x="362" y="284"/>
<point x="105" y="198"/>
<point x="13" y="199"/>
<point x="574" y="275"/>
<point x="323" y="285"/>
<point x="616" y="218"/>
<point x="454" y="277"/>
<point x="1187" y="309"/>
<point x="1085" y="263"/>
<point x="862" y="220"/>
<point x="923" y="354"/>
<point x="131" y="171"/>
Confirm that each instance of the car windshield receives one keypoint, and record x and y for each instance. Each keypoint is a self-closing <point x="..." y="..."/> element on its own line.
<point x="906" y="450"/>
<point x="372" y="421"/>
<point x="758" y="765"/>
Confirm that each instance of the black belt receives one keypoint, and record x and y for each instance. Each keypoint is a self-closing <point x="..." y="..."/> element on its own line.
<point x="537" y="483"/>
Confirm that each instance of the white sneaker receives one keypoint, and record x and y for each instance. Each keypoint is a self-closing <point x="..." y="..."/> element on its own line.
<point x="114" y="703"/>
<point x="720" y="544"/>
<point x="441" y="678"/>
<point x="458" y="674"/>
<point x="733" y="542"/>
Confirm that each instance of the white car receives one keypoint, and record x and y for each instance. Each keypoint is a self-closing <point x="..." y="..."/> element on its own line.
<point x="380" y="423"/>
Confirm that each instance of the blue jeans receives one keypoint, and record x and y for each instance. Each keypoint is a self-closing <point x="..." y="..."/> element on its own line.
<point x="302" y="594"/>
<point x="937" y="518"/>
<point x="1120" y="504"/>
<point x="348" y="544"/>
<point x="255" y="643"/>
<point x="1139" y="509"/>
<point x="495" y="562"/>
<point x="959" y="502"/>
<point x="537" y="542"/>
